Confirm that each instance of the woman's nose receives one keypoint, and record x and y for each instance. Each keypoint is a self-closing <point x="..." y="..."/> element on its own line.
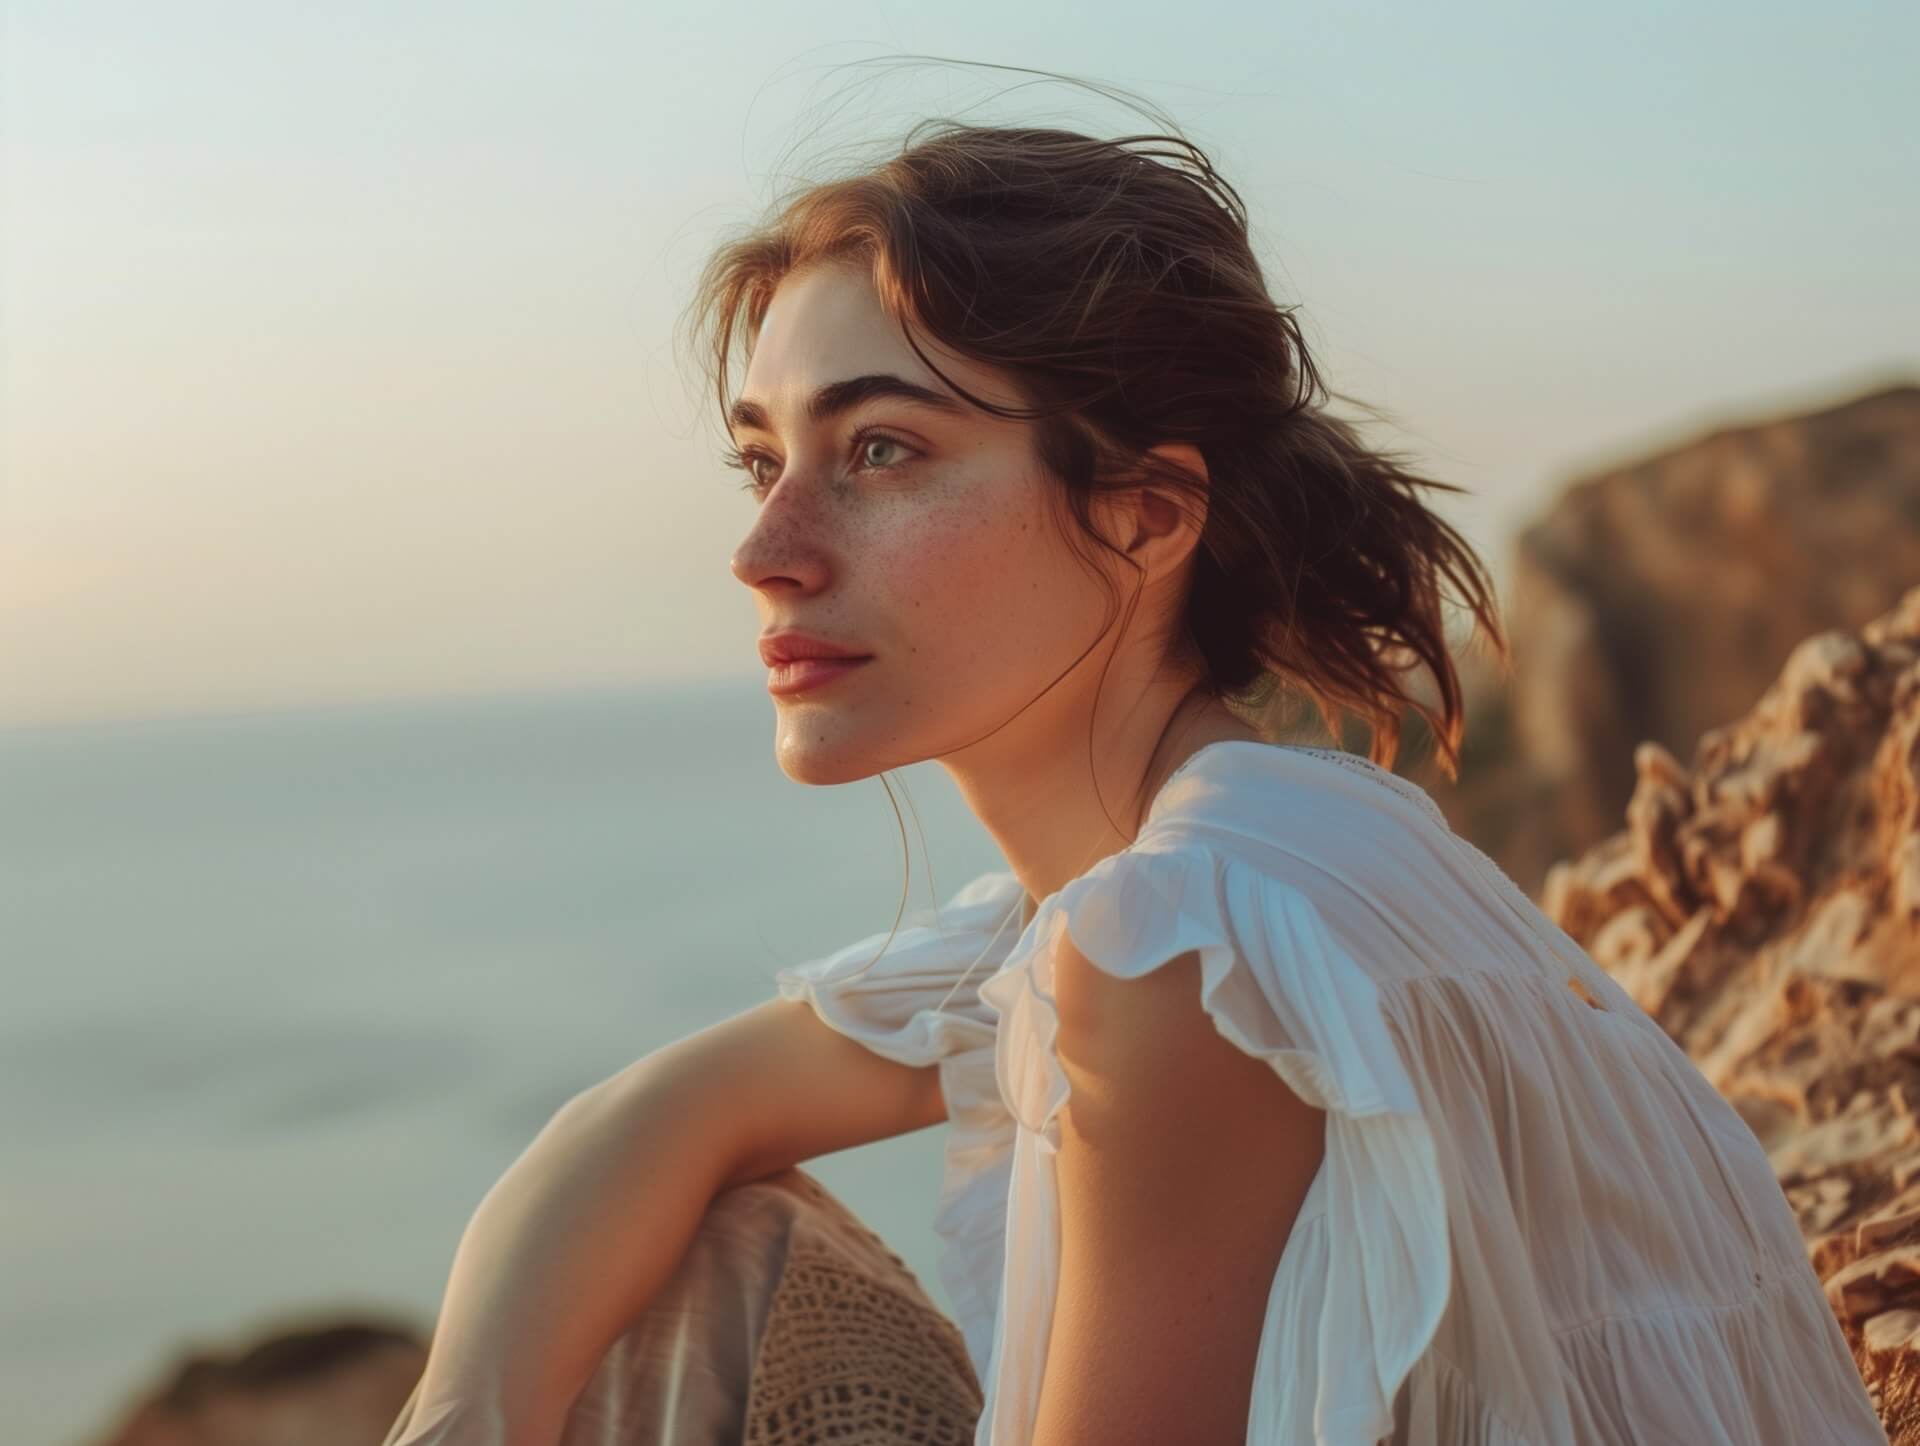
<point x="778" y="548"/>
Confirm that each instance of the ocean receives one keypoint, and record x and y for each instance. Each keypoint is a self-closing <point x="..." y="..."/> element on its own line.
<point x="286" y="993"/>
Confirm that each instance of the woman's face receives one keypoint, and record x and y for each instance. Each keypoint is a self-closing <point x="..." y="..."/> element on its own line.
<point x="920" y="535"/>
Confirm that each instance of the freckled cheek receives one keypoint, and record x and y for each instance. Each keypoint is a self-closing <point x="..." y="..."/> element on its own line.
<point x="946" y="575"/>
<point x="939" y="550"/>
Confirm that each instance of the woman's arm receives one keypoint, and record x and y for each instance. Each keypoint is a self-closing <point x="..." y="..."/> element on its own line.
<point x="576" y="1238"/>
<point x="1182" y="1166"/>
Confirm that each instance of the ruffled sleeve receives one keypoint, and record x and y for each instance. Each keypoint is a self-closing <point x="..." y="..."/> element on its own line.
<point x="1282" y="985"/>
<point x="912" y="999"/>
<point x="918" y="1003"/>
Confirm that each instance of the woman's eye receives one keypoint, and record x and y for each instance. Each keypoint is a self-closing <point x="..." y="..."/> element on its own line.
<point x="750" y="462"/>
<point x="878" y="442"/>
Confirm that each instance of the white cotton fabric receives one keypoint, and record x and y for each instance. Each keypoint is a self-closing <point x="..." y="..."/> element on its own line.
<point x="1535" y="1222"/>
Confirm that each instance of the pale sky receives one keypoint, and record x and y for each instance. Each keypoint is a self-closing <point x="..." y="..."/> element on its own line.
<point x="336" y="359"/>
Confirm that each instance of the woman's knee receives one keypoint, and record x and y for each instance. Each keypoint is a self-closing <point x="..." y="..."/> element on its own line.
<point x="680" y="1371"/>
<point x="757" y="1222"/>
<point x="746" y="1227"/>
<point x="773" y="1200"/>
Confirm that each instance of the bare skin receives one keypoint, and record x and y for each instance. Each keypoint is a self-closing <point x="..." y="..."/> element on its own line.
<point x="932" y="544"/>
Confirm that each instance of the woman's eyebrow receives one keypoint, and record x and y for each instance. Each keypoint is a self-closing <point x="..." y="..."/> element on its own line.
<point x="842" y="396"/>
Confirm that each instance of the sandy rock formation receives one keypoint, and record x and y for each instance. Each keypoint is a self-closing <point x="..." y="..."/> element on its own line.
<point x="1763" y="904"/>
<point x="1657" y="599"/>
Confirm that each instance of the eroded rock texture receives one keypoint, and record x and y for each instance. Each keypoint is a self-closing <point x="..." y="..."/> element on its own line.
<point x="1657" y="598"/>
<point x="1763" y="904"/>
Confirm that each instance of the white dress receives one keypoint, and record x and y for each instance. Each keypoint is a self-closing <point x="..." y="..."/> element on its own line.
<point x="1535" y="1221"/>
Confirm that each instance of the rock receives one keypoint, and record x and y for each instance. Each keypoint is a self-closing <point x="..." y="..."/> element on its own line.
<point x="338" y="1384"/>
<point x="1760" y="905"/>
<point x="1892" y="1329"/>
<point x="1736" y="549"/>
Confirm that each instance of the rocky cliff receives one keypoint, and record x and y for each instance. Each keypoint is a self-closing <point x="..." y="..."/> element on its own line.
<point x="1656" y="599"/>
<point x="1763" y="904"/>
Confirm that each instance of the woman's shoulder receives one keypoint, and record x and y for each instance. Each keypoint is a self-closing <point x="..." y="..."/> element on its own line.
<point x="1267" y="859"/>
<point x="1302" y="814"/>
<point x="1257" y="861"/>
<point x="1250" y="766"/>
<point x="1367" y="852"/>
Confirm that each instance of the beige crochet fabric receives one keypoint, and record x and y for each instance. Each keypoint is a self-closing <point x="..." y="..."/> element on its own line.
<point x="855" y="1353"/>
<point x="787" y="1323"/>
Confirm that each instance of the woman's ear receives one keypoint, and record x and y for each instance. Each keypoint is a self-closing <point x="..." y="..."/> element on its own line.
<point x="1183" y="455"/>
<point x="1165" y="523"/>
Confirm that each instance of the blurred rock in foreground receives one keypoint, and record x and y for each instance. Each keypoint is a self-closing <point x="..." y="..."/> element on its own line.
<point x="341" y="1384"/>
<point x="1763" y="904"/>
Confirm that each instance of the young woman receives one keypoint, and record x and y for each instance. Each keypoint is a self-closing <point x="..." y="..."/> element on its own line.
<point x="1278" y="1113"/>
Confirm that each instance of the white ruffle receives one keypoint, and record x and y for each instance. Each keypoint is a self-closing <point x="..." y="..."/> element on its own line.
<point x="892" y="1004"/>
<point x="1279" y="986"/>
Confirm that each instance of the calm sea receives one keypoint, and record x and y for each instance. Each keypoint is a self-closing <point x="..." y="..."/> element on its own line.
<point x="285" y="994"/>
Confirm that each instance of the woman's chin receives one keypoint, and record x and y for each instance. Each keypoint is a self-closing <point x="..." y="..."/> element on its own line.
<point x="825" y="764"/>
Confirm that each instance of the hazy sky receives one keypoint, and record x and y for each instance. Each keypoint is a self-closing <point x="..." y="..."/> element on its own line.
<point x="337" y="337"/>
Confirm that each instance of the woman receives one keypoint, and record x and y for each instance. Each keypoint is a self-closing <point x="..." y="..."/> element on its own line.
<point x="1278" y="1113"/>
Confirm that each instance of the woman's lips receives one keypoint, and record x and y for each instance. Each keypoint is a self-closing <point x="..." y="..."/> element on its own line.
<point x="786" y="679"/>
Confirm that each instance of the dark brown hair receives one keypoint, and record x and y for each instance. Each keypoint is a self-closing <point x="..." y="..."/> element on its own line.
<point x="1114" y="283"/>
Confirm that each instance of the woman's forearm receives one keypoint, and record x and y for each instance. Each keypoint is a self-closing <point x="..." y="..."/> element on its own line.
<point x="566" y="1251"/>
